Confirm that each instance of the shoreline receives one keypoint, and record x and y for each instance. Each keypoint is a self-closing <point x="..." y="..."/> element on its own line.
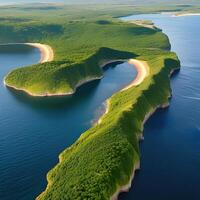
<point x="126" y="187"/>
<point x="187" y="14"/>
<point x="184" y="14"/>
<point x="51" y="94"/>
<point x="141" y="67"/>
<point x="143" y="71"/>
<point x="46" y="55"/>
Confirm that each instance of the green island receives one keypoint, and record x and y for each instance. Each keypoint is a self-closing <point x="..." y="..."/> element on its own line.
<point x="101" y="163"/>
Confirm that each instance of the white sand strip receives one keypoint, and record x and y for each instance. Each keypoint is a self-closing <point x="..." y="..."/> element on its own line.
<point x="142" y="72"/>
<point x="46" y="51"/>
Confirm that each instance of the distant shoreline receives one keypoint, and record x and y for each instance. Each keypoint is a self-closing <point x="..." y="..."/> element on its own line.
<point x="185" y="14"/>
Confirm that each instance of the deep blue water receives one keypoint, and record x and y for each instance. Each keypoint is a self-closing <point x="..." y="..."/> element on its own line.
<point x="33" y="131"/>
<point x="170" y="162"/>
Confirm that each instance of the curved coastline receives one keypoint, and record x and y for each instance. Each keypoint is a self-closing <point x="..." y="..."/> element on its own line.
<point x="46" y="51"/>
<point x="185" y="14"/>
<point x="142" y="72"/>
<point x="47" y="56"/>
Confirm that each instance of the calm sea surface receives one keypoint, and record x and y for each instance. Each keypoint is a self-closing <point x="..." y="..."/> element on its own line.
<point x="170" y="165"/>
<point x="33" y="131"/>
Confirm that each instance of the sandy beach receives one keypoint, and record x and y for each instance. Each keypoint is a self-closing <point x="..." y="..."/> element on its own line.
<point x="46" y="51"/>
<point x="142" y="72"/>
<point x="185" y="14"/>
<point x="141" y="67"/>
<point x="47" y="55"/>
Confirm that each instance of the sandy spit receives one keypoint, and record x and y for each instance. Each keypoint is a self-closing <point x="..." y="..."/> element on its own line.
<point x="175" y="14"/>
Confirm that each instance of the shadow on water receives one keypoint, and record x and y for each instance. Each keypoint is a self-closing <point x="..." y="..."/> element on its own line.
<point x="15" y="48"/>
<point x="175" y="74"/>
<point x="83" y="93"/>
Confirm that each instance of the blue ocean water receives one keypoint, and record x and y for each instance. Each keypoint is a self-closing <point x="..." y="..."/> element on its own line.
<point x="33" y="131"/>
<point x="170" y="153"/>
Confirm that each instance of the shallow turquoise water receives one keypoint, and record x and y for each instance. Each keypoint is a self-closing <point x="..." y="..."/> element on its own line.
<point x="33" y="131"/>
<point x="170" y="160"/>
